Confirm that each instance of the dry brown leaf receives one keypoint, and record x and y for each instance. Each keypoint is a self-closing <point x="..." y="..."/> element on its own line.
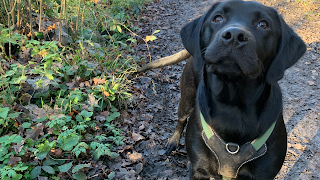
<point x="105" y="113"/>
<point x="52" y="27"/>
<point x="13" y="160"/>
<point x="71" y="85"/>
<point x="43" y="53"/>
<point x="26" y="97"/>
<point x="299" y="146"/>
<point x="137" y="137"/>
<point x="125" y="148"/>
<point x="39" y="112"/>
<point x="134" y="156"/>
<point x="57" y="152"/>
<point x="17" y="148"/>
<point x="311" y="83"/>
<point x="35" y="132"/>
<point x="100" y="118"/>
<point x="98" y="81"/>
<point x="92" y="100"/>
<point x="105" y="93"/>
<point x="75" y="68"/>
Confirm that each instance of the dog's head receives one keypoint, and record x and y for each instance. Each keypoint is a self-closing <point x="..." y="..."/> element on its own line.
<point x="242" y="38"/>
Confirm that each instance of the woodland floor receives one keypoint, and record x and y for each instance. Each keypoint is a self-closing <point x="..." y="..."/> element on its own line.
<point x="152" y="119"/>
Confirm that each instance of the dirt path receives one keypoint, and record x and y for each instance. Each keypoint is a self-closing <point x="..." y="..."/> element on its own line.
<point x="150" y="122"/>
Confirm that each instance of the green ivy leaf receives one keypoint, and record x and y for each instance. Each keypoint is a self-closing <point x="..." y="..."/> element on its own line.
<point x="15" y="138"/>
<point x="86" y="114"/>
<point x="78" y="167"/>
<point x="26" y="125"/>
<point x="16" y="176"/>
<point x="14" y="115"/>
<point x="75" y="100"/>
<point x="114" y="155"/>
<point x="79" y="176"/>
<point x="11" y="40"/>
<point x="49" y="162"/>
<point x="35" y="172"/>
<point x="39" y="35"/>
<point x="112" y="116"/>
<point x="68" y="142"/>
<point x="4" y="139"/>
<point x="48" y="169"/>
<point x="4" y="112"/>
<point x="41" y="155"/>
<point x="65" y="167"/>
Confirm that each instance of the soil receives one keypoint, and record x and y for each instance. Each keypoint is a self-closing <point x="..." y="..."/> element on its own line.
<point x="151" y="120"/>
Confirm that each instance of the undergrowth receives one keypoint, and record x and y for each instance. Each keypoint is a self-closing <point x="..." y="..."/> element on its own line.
<point x="61" y="102"/>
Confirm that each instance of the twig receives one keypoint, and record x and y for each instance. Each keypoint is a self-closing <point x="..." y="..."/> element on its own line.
<point x="12" y="11"/>
<point x="40" y="15"/>
<point x="77" y="22"/>
<point x="18" y="13"/>
<point x="61" y="9"/>
<point x="9" y="13"/>
<point x="30" y="18"/>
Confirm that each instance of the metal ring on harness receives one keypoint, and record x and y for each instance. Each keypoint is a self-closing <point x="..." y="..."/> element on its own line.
<point x="232" y="144"/>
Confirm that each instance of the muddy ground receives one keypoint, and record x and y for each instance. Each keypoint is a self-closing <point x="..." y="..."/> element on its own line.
<point x="151" y="119"/>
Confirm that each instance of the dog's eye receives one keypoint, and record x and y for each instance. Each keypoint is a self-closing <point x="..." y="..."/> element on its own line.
<point x="263" y="24"/>
<point x="217" y="19"/>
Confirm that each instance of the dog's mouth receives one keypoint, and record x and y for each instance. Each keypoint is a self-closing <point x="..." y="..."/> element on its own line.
<point x="234" y="66"/>
<point x="225" y="66"/>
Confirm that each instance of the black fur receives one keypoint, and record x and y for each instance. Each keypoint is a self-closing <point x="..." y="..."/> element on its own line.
<point x="240" y="50"/>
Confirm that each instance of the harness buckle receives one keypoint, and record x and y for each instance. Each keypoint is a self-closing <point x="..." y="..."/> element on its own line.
<point x="233" y="145"/>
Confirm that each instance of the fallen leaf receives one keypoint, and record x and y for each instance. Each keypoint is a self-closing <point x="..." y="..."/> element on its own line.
<point x="105" y="113"/>
<point x="71" y="85"/>
<point x="105" y="93"/>
<point x="161" y="152"/>
<point x="134" y="156"/>
<point x="56" y="152"/>
<point x="299" y="146"/>
<point x="43" y="53"/>
<point x="17" y="148"/>
<point x="26" y="97"/>
<point x="311" y="83"/>
<point x="92" y="100"/>
<point x="13" y="160"/>
<point x="139" y="168"/>
<point x="39" y="112"/>
<point x="35" y="132"/>
<point x="98" y="81"/>
<point x="52" y="27"/>
<point x="136" y="137"/>
<point x="125" y="148"/>
<point x="100" y="118"/>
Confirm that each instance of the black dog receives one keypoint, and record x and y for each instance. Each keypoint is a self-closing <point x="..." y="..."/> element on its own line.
<point x="240" y="50"/>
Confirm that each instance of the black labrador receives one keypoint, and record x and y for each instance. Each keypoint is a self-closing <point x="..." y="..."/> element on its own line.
<point x="240" y="49"/>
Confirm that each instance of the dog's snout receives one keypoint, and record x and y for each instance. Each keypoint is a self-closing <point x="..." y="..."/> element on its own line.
<point x="234" y="35"/>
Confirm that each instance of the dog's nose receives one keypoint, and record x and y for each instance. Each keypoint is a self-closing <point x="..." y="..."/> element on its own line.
<point x="234" y="35"/>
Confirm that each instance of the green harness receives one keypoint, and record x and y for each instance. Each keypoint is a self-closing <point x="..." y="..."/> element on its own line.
<point x="232" y="155"/>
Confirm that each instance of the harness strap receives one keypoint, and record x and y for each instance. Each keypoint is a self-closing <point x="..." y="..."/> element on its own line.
<point x="229" y="155"/>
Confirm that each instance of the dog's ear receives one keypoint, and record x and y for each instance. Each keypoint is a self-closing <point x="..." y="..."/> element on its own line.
<point x="290" y="49"/>
<point x="190" y="35"/>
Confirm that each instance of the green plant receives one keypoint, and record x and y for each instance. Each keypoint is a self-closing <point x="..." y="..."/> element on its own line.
<point x="14" y="173"/>
<point x="7" y="120"/>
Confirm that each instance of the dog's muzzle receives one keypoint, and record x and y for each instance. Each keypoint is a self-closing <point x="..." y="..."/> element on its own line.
<point x="235" y="36"/>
